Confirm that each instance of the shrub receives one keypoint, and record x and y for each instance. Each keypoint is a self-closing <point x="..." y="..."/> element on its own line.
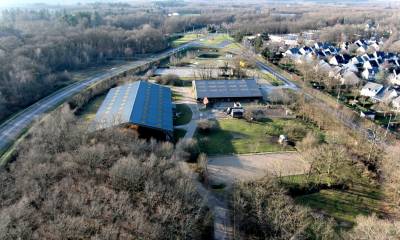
<point x="169" y="79"/>
<point x="187" y="150"/>
<point x="205" y="125"/>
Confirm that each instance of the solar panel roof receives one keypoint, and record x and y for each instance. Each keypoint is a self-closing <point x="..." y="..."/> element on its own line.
<point x="141" y="103"/>
<point x="226" y="88"/>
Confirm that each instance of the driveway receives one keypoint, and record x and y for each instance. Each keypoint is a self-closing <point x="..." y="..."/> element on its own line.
<point x="228" y="169"/>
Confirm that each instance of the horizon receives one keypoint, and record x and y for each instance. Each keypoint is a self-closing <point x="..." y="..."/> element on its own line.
<point x="27" y="3"/>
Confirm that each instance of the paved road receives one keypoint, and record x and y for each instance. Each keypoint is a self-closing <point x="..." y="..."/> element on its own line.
<point x="13" y="128"/>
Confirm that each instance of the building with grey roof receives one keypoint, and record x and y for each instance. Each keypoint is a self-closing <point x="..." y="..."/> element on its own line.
<point x="226" y="89"/>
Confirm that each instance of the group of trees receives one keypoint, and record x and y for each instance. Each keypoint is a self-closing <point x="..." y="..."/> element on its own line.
<point x="67" y="183"/>
<point x="263" y="210"/>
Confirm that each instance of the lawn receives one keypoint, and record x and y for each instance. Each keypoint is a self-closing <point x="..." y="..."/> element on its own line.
<point x="89" y="110"/>
<point x="185" y="39"/>
<point x="176" y="96"/>
<point x="271" y="79"/>
<point x="184" y="114"/>
<point x="239" y="136"/>
<point x="363" y="198"/>
<point x="218" y="39"/>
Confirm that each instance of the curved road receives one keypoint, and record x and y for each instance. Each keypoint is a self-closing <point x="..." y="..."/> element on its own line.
<point x="13" y="128"/>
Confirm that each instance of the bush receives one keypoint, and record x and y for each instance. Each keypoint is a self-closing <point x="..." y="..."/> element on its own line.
<point x="205" y="126"/>
<point x="169" y="79"/>
<point x="187" y="150"/>
<point x="295" y="132"/>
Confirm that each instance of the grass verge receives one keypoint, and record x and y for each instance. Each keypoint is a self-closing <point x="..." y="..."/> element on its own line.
<point x="89" y="110"/>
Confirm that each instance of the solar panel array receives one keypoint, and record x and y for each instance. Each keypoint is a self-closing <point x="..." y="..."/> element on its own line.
<point x="226" y="88"/>
<point x="139" y="103"/>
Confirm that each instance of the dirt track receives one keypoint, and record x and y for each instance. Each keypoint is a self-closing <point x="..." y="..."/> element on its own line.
<point x="228" y="169"/>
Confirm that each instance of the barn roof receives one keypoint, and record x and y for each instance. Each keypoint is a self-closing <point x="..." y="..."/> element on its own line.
<point x="140" y="103"/>
<point x="226" y="88"/>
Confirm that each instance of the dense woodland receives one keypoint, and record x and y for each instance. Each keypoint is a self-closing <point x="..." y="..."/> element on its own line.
<point x="68" y="184"/>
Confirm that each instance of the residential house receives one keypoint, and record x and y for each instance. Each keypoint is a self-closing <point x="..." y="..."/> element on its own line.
<point x="339" y="60"/>
<point x="371" y="64"/>
<point x="394" y="77"/>
<point x="370" y="74"/>
<point x="362" y="49"/>
<point x="357" y="59"/>
<point x="386" y="95"/>
<point x="322" y="46"/>
<point x="374" y="46"/>
<point x="305" y="50"/>
<point x="360" y="42"/>
<point x="379" y="55"/>
<point x="371" y="89"/>
<point x="345" y="46"/>
<point x="393" y="63"/>
<point x="291" y="52"/>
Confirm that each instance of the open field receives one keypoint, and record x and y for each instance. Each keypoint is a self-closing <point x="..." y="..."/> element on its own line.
<point x="220" y="40"/>
<point x="239" y="136"/>
<point x="185" y="39"/>
<point x="362" y="198"/>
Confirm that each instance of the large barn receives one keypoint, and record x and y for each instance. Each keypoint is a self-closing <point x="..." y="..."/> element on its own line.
<point x="141" y="105"/>
<point x="229" y="90"/>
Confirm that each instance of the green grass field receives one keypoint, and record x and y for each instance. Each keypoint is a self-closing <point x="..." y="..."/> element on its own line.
<point x="239" y="136"/>
<point x="271" y="79"/>
<point x="184" y="114"/>
<point x="176" y="96"/>
<point x="185" y="39"/>
<point x="218" y="39"/>
<point x="363" y="198"/>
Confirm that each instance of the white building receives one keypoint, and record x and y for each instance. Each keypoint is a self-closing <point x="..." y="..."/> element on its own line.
<point x="371" y="89"/>
<point x="396" y="103"/>
<point x="386" y="95"/>
<point x="394" y="77"/>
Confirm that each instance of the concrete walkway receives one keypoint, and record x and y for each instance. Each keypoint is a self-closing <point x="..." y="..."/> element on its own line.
<point x="222" y="225"/>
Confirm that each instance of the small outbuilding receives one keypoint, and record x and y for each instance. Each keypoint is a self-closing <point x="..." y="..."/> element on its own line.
<point x="143" y="106"/>
<point x="226" y="90"/>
